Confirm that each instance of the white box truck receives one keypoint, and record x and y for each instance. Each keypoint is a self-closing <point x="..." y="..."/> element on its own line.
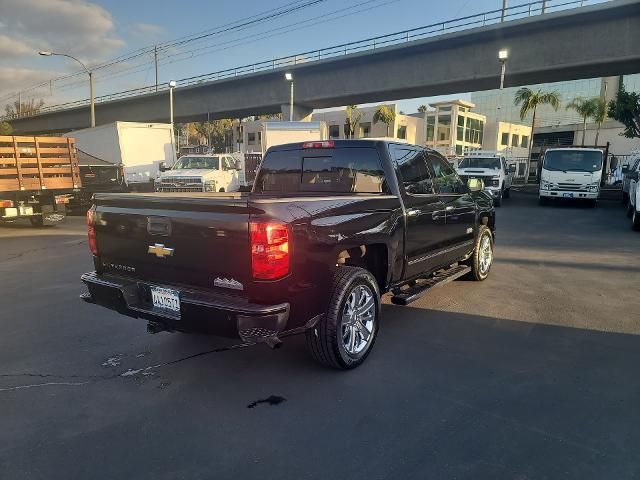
<point x="278" y="133"/>
<point x="139" y="147"/>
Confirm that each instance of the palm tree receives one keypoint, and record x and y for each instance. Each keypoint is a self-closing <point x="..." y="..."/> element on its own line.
<point x="422" y="109"/>
<point x="599" y="114"/>
<point x="585" y="108"/>
<point x="386" y="115"/>
<point x="530" y="101"/>
<point x="352" y="120"/>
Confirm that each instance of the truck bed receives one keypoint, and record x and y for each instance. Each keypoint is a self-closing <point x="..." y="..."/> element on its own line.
<point x="38" y="163"/>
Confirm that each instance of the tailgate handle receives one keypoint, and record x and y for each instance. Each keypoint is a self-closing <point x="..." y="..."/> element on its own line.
<point x="159" y="226"/>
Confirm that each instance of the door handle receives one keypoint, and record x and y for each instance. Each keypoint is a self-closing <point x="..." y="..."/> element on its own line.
<point x="413" y="212"/>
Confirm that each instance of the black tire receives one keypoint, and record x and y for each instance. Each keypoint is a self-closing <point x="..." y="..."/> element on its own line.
<point x="507" y="193"/>
<point x="498" y="201"/>
<point x="635" y="220"/>
<point x="37" y="221"/>
<point x="221" y="190"/>
<point x="629" y="209"/>
<point x="625" y="198"/>
<point x="325" y="340"/>
<point x="543" y="201"/>
<point x="477" y="272"/>
<point x="593" y="203"/>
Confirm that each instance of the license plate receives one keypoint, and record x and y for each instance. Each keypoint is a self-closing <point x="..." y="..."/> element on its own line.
<point x="568" y="195"/>
<point x="165" y="299"/>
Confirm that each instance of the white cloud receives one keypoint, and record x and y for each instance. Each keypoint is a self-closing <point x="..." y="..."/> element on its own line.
<point x="146" y="30"/>
<point x="13" y="47"/>
<point x="78" y="27"/>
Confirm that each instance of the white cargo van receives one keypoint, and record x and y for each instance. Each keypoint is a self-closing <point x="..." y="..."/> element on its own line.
<point x="571" y="173"/>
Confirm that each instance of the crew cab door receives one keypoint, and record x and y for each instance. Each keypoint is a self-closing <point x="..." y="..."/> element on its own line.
<point x="459" y="206"/>
<point x="508" y="176"/>
<point x="424" y="212"/>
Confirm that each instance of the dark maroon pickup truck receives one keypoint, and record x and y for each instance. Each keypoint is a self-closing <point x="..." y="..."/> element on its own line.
<point x="328" y="228"/>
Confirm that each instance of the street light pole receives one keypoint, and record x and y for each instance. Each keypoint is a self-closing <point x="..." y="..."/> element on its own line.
<point x="289" y="77"/>
<point x="92" y="102"/>
<point x="172" y="85"/>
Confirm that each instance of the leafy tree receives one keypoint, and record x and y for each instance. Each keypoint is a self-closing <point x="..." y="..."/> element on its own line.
<point x="386" y="115"/>
<point x="5" y="128"/>
<point x="599" y="114"/>
<point x="24" y="108"/>
<point x="529" y="101"/>
<point x="353" y="119"/>
<point x="585" y="107"/>
<point x="213" y="133"/>
<point x="268" y="116"/>
<point x="626" y="110"/>
<point x="422" y="109"/>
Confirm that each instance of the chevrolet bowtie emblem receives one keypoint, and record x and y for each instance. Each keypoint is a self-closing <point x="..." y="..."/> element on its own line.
<point x="160" y="251"/>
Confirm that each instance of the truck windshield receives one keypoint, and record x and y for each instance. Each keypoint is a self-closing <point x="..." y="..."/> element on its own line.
<point x="573" y="161"/>
<point x="207" y="163"/>
<point x="480" y="162"/>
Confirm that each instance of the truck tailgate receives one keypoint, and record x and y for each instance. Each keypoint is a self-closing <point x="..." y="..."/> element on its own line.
<point x="199" y="240"/>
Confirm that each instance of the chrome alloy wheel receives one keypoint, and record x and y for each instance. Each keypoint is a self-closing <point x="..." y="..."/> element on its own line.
<point x="485" y="254"/>
<point x="358" y="319"/>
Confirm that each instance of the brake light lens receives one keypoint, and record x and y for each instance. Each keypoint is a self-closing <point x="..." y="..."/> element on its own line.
<point x="269" y="250"/>
<point x="91" y="226"/>
<point x="323" y="144"/>
<point x="6" y="204"/>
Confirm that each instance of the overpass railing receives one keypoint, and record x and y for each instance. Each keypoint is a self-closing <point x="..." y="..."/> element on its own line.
<point x="492" y="17"/>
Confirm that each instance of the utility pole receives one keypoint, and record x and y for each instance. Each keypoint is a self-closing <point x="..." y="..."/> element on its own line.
<point x="92" y="102"/>
<point x="19" y="104"/>
<point x="505" y="4"/>
<point x="155" y="58"/>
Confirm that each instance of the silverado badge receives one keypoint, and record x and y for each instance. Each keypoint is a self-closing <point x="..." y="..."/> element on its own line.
<point x="160" y="251"/>
<point x="228" y="283"/>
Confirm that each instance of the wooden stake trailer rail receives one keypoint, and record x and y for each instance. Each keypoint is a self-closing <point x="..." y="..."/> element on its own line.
<point x="38" y="175"/>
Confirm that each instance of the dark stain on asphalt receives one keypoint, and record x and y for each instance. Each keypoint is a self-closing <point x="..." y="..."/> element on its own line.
<point x="271" y="400"/>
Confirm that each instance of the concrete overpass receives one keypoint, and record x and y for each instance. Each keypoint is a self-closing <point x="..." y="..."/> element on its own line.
<point x="587" y="42"/>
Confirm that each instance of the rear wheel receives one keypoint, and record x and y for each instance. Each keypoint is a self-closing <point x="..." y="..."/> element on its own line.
<point x="635" y="220"/>
<point x="37" y="221"/>
<point x="482" y="257"/>
<point x="507" y="193"/>
<point x="498" y="201"/>
<point x="630" y="209"/>
<point x="543" y="201"/>
<point x="345" y="335"/>
<point x="221" y="190"/>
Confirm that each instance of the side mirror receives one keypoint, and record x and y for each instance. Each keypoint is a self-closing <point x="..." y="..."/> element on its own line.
<point x="512" y="168"/>
<point x="475" y="185"/>
<point x="162" y="167"/>
<point x="625" y="168"/>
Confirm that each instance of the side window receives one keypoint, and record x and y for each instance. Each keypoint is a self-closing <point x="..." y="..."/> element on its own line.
<point x="445" y="178"/>
<point x="413" y="170"/>
<point x="504" y="165"/>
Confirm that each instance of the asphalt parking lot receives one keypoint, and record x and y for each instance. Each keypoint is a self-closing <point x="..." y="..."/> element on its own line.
<point x="532" y="374"/>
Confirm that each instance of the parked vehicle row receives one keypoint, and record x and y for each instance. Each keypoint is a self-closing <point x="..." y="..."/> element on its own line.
<point x="328" y="228"/>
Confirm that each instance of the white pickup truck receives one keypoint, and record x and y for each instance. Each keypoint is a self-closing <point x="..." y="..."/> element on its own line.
<point x="201" y="173"/>
<point x="573" y="173"/>
<point x="492" y="169"/>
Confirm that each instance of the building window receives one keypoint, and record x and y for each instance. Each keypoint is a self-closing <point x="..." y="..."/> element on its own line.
<point x="524" y="141"/>
<point x="458" y="149"/>
<point x="430" y="132"/>
<point x="505" y="139"/>
<point x="444" y="109"/>
<point x="460" y="128"/>
<point x="365" y="130"/>
<point x="334" y="131"/>
<point x="402" y="132"/>
<point x="259" y="137"/>
<point x="444" y="128"/>
<point x="515" y="139"/>
<point x="251" y="138"/>
<point x="474" y="131"/>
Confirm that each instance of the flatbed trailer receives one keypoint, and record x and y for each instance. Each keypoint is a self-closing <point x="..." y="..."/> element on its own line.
<point x="38" y="177"/>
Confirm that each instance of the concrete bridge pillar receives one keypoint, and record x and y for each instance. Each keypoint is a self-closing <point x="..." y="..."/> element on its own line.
<point x="300" y="112"/>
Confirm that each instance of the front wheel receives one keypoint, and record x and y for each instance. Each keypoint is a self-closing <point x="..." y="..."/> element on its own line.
<point x="498" y="201"/>
<point x="507" y="193"/>
<point x="482" y="257"/>
<point x="630" y="209"/>
<point x="345" y="335"/>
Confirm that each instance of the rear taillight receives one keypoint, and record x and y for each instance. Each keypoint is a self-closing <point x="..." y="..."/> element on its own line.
<point x="6" y="204"/>
<point x="91" y="226"/>
<point x="269" y="250"/>
<point x="323" y="144"/>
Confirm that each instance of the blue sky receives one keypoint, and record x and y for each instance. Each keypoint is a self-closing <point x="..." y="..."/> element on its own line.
<point x="101" y="30"/>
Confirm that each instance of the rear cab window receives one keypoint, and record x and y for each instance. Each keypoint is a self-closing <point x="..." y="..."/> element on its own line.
<point x="331" y="170"/>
